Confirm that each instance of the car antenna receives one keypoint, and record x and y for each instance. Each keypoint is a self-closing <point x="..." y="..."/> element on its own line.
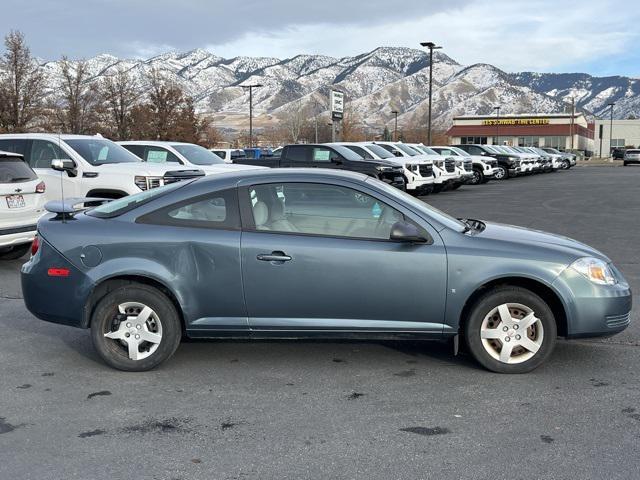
<point x="61" y="179"/>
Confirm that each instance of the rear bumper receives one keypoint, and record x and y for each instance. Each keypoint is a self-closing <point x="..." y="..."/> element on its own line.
<point x="631" y="160"/>
<point x="54" y="299"/>
<point x="17" y="235"/>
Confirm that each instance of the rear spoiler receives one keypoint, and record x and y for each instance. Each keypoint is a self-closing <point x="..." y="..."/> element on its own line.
<point x="69" y="206"/>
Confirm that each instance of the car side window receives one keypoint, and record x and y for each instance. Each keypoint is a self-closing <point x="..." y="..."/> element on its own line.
<point x="321" y="209"/>
<point x="217" y="210"/>
<point x="323" y="155"/>
<point x="360" y="151"/>
<point x="14" y="145"/>
<point x="159" y="155"/>
<point x="137" y="150"/>
<point x="297" y="153"/>
<point x="42" y="152"/>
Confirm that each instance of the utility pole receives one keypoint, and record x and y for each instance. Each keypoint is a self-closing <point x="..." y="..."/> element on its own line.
<point x="251" y="87"/>
<point x="573" y="114"/>
<point x="395" y="129"/>
<point x="497" y="109"/>
<point x="611" y="129"/>
<point x="431" y="46"/>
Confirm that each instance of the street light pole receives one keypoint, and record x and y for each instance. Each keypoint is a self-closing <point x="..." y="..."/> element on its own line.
<point x="497" y="109"/>
<point x="251" y="87"/>
<point x="573" y="114"/>
<point x="395" y="128"/>
<point x="431" y="46"/>
<point x="611" y="128"/>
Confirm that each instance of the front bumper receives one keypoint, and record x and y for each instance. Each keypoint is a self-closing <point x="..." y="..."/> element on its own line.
<point x="594" y="310"/>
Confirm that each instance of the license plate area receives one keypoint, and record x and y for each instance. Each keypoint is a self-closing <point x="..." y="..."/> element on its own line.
<point x="15" y="201"/>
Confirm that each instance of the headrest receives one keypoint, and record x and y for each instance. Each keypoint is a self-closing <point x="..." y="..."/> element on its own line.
<point x="260" y="213"/>
<point x="277" y="211"/>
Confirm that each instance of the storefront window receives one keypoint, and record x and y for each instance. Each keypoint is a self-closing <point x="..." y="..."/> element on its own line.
<point x="473" y="140"/>
<point x="617" y="142"/>
<point x="559" y="142"/>
<point x="528" y="141"/>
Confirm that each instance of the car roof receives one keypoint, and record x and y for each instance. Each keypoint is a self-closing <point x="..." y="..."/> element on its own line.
<point x="153" y="142"/>
<point x="52" y="136"/>
<point x="292" y="174"/>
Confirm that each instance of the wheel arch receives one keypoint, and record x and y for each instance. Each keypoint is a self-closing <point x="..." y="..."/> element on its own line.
<point x="106" y="285"/>
<point x="550" y="296"/>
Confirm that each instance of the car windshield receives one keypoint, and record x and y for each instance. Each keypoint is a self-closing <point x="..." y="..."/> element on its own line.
<point x="347" y="153"/>
<point x="379" y="151"/>
<point x="124" y="204"/>
<point x="427" y="209"/>
<point x="100" y="151"/>
<point x="407" y="149"/>
<point x="492" y="149"/>
<point x="15" y="170"/>
<point x="459" y="151"/>
<point x="448" y="152"/>
<point x="197" y="155"/>
<point x="428" y="150"/>
<point x="634" y="152"/>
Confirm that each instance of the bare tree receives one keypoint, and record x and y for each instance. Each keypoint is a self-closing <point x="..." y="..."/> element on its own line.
<point x="119" y="93"/>
<point x="77" y="100"/>
<point x="21" y="85"/>
<point x="165" y="101"/>
<point x="294" y="119"/>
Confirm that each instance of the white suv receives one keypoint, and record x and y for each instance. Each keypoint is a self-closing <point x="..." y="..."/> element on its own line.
<point x="418" y="172"/>
<point x="21" y="205"/>
<point x="178" y="153"/>
<point x="450" y="172"/>
<point x="102" y="168"/>
<point x="482" y="167"/>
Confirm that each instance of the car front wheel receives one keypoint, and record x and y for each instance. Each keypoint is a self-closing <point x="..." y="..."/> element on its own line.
<point x="135" y="328"/>
<point x="510" y="330"/>
<point x="501" y="173"/>
<point x="478" y="177"/>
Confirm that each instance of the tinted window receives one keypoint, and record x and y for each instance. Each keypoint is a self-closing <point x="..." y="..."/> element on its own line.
<point x="388" y="148"/>
<point x="379" y="151"/>
<point x="14" y="145"/>
<point x="360" y="151"/>
<point x="137" y="150"/>
<point x="42" y="152"/>
<point x="297" y="153"/>
<point x="319" y="209"/>
<point x="98" y="151"/>
<point x="346" y="153"/>
<point x="407" y="149"/>
<point x="124" y="204"/>
<point x="213" y="210"/>
<point x="197" y="155"/>
<point x="15" y="170"/>
<point x="221" y="153"/>
<point x="160" y="155"/>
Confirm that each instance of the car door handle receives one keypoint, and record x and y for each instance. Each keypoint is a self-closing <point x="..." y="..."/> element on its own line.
<point x="273" y="257"/>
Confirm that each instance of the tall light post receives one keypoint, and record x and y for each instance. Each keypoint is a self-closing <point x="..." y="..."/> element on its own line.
<point x="395" y="128"/>
<point x="251" y="87"/>
<point x="431" y="46"/>
<point x="497" y="109"/>
<point x="611" y="127"/>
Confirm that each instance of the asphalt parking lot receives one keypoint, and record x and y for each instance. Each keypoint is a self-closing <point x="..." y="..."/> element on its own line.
<point x="236" y="410"/>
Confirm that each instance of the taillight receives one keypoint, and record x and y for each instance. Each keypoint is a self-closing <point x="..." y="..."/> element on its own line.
<point x="40" y="188"/>
<point x="58" y="272"/>
<point x="35" y="245"/>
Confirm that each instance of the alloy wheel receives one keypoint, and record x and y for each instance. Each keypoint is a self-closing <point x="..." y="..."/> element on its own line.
<point x="500" y="173"/>
<point x="476" y="178"/>
<point x="136" y="330"/>
<point x="511" y="333"/>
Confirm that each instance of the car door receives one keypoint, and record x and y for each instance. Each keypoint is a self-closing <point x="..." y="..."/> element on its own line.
<point x="58" y="184"/>
<point x="317" y="256"/>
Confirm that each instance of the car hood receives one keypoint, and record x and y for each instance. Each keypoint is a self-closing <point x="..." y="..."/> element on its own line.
<point x="525" y="236"/>
<point x="143" y="168"/>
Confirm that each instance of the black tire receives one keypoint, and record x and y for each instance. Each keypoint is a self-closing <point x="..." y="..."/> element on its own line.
<point x="15" y="252"/>
<point x="624" y="164"/>
<point x="501" y="173"/>
<point x="105" y="313"/>
<point x="478" y="177"/>
<point x="566" y="165"/>
<point x="509" y="295"/>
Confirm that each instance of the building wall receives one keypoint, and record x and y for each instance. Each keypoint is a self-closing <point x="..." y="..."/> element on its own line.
<point x="627" y="130"/>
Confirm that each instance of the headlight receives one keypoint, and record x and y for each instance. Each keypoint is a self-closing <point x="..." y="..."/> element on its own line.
<point x="380" y="168"/>
<point x="513" y="158"/>
<point x="141" y="182"/>
<point x="595" y="270"/>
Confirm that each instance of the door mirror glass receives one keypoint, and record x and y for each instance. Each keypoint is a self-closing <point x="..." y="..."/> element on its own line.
<point x="407" y="232"/>
<point x="64" y="165"/>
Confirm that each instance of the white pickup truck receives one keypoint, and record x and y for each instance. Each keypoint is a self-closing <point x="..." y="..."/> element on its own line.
<point x="102" y="168"/>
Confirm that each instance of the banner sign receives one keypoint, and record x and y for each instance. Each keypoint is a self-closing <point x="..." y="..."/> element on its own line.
<point x="517" y="121"/>
<point x="337" y="104"/>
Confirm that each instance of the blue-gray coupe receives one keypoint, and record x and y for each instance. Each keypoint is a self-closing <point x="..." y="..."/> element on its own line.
<point x="300" y="253"/>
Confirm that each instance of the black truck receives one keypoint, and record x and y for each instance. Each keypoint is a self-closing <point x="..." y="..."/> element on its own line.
<point x="508" y="165"/>
<point x="331" y="156"/>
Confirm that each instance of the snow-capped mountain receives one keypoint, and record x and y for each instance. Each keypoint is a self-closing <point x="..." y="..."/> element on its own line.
<point x="375" y="83"/>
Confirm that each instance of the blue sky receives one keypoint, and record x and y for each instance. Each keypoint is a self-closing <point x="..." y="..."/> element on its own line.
<point x="597" y="37"/>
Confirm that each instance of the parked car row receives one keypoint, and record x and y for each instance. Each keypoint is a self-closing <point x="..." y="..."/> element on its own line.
<point x="93" y="166"/>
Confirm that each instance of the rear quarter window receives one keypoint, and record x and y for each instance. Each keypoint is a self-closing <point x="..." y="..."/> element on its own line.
<point x="15" y="170"/>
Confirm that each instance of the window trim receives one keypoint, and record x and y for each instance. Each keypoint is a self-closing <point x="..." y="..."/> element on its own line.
<point x="160" y="216"/>
<point x="249" y="226"/>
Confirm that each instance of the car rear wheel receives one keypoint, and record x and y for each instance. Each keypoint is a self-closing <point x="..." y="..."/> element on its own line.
<point x="135" y="328"/>
<point x="15" y="252"/>
<point x="510" y="330"/>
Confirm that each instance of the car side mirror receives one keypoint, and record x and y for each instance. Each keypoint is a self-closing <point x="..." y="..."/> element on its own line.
<point x="407" y="232"/>
<point x="64" y="165"/>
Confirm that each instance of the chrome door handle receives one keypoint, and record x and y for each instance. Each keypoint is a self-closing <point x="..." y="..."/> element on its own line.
<point x="274" y="257"/>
